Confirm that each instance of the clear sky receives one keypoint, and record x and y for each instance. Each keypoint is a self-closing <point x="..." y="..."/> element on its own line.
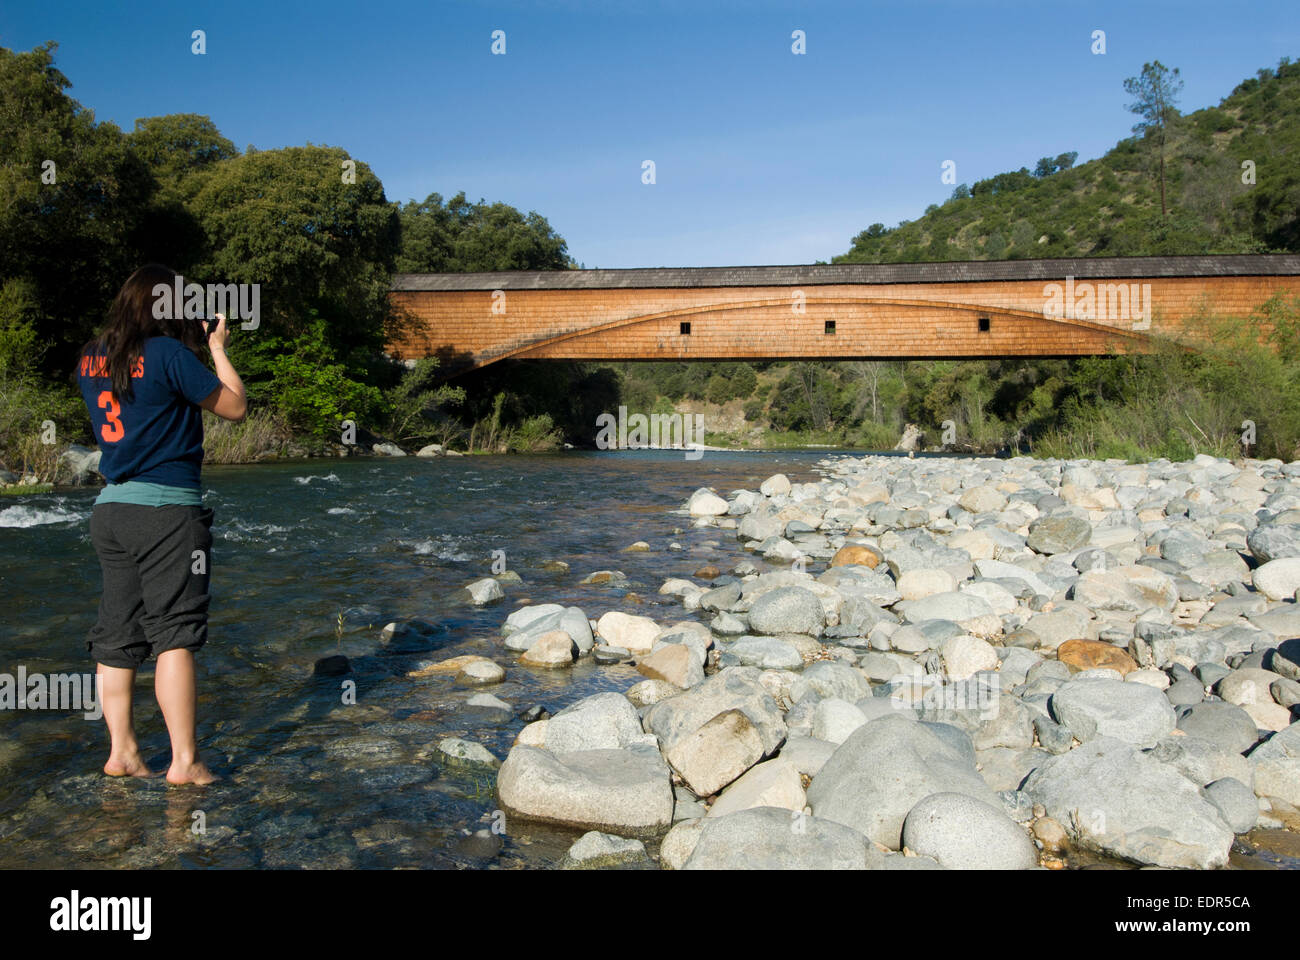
<point x="761" y="155"/>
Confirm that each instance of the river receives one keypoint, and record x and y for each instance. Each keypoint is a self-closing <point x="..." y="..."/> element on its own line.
<point x="307" y="779"/>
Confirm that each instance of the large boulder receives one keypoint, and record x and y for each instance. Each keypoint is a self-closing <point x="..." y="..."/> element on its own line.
<point x="1278" y="579"/>
<point x="629" y="631"/>
<point x="884" y="769"/>
<point x="706" y="503"/>
<point x="527" y="625"/>
<point x="1132" y="712"/>
<point x="1058" y="534"/>
<point x="787" y="610"/>
<point x="963" y="833"/>
<point x="735" y="688"/>
<point x="771" y="838"/>
<point x="1277" y="766"/>
<point x="1116" y="800"/>
<point x="1274" y="541"/>
<point x="717" y="753"/>
<point x="627" y="792"/>
<point x="1224" y="724"/>
<point x="1126" y="590"/>
<point x="603" y="721"/>
<point x="674" y="663"/>
<point x="774" y="783"/>
<point x="951" y="605"/>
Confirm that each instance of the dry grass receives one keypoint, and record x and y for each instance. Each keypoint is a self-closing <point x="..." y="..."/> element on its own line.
<point x="249" y="441"/>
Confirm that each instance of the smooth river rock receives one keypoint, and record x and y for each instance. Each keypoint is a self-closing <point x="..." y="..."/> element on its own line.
<point x="627" y="792"/>
<point x="1116" y="800"/>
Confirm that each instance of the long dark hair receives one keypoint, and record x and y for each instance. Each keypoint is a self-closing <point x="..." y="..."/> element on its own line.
<point x="131" y="321"/>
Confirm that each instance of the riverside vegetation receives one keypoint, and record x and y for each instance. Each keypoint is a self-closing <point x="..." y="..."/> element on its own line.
<point x="323" y="247"/>
<point x="935" y="663"/>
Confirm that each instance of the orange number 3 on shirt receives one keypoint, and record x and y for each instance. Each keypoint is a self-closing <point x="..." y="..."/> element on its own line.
<point x="113" y="430"/>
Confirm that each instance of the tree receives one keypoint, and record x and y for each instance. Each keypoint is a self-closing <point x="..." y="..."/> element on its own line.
<point x="1155" y="95"/>
<point x="458" y="236"/>
<point x="287" y="220"/>
<point x="74" y="202"/>
<point x="179" y="143"/>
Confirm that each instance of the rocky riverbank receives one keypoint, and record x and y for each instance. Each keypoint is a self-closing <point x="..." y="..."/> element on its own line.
<point x="942" y="663"/>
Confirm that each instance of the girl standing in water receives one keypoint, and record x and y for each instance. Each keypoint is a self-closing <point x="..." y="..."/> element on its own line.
<point x="145" y="388"/>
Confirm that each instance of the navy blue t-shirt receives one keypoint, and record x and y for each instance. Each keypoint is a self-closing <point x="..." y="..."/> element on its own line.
<point x="158" y="436"/>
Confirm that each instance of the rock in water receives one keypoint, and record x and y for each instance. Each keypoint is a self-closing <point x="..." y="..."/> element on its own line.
<point x="466" y="751"/>
<point x="481" y="671"/>
<point x="883" y="770"/>
<point x="596" y="850"/>
<point x="603" y="721"/>
<point x="1113" y="799"/>
<point x="962" y="833"/>
<point x="552" y="649"/>
<point x="484" y="591"/>
<point x="769" y="838"/>
<point x="629" y="631"/>
<point x="674" y="663"/>
<point x="775" y="485"/>
<point x="332" y="666"/>
<point x="706" y="503"/>
<point x="628" y="792"/>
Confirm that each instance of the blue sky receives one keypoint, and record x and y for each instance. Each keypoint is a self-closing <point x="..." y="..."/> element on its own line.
<point x="761" y="156"/>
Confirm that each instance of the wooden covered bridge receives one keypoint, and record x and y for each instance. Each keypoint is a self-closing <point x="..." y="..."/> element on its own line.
<point x="1039" y="308"/>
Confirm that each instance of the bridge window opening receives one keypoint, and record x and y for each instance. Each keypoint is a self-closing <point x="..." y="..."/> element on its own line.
<point x="686" y="328"/>
<point x="984" y="324"/>
<point x="830" y="328"/>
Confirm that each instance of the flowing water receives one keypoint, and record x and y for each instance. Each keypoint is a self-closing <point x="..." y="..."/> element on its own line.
<point x="307" y="779"/>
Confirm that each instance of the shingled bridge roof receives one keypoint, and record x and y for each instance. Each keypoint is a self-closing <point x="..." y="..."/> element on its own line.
<point x="1081" y="268"/>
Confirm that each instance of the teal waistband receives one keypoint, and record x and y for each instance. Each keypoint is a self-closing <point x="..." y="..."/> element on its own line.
<point x="150" y="494"/>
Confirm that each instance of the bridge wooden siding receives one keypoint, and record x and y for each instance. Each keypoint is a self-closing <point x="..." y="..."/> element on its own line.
<point x="913" y="311"/>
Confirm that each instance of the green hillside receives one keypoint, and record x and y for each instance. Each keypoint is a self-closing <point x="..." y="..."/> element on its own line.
<point x="1111" y="206"/>
<point x="1172" y="404"/>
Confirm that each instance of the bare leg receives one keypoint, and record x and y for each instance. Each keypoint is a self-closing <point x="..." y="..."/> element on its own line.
<point x="174" y="685"/>
<point x="115" y="686"/>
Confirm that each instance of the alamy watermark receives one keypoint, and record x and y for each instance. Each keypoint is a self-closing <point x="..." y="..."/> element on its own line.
<point x="657" y="431"/>
<point x="195" y="301"/>
<point x="979" y="694"/>
<point x="1125" y="302"/>
<point x="50" y="691"/>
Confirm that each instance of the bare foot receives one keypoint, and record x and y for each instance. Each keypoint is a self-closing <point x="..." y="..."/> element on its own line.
<point x="127" y="765"/>
<point x="195" y="773"/>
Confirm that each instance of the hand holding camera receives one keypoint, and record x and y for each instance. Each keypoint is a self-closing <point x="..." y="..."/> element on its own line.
<point x="215" y="326"/>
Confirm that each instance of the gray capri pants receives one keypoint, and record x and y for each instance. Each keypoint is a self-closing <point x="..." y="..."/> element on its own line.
<point x="153" y="600"/>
